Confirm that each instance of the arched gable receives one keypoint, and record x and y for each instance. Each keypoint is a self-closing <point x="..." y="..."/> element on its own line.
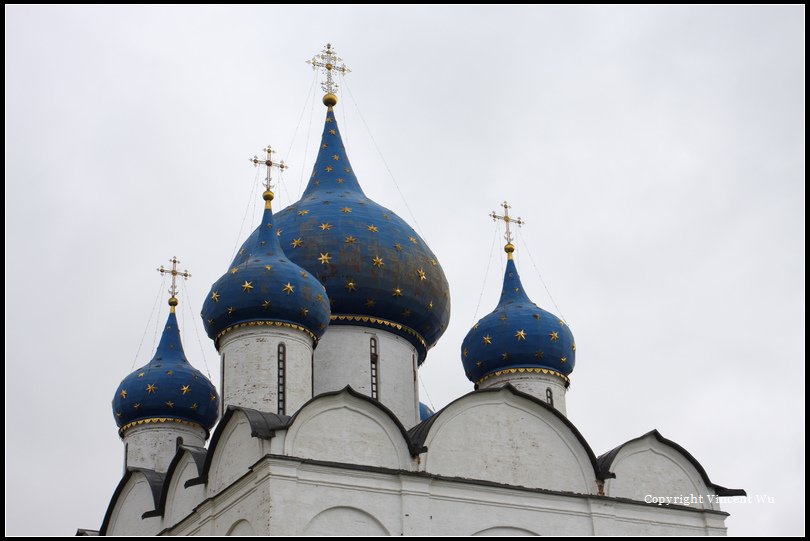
<point x="137" y="494"/>
<point x="345" y="521"/>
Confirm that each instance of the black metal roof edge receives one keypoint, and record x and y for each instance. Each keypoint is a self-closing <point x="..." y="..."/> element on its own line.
<point x="382" y="407"/>
<point x="155" y="481"/>
<point x="420" y="432"/>
<point x="262" y="425"/>
<point x="606" y="461"/>
<point x="85" y="531"/>
<point x="481" y="482"/>
<point x="197" y="455"/>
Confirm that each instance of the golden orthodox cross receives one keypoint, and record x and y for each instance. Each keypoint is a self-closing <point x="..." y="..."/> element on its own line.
<point x="329" y="62"/>
<point x="175" y="273"/>
<point x="508" y="220"/>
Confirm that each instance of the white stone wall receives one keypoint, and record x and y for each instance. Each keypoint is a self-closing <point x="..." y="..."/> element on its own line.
<point x="152" y="446"/>
<point x="249" y="357"/>
<point x="135" y="499"/>
<point x="534" y="384"/>
<point x="343" y="357"/>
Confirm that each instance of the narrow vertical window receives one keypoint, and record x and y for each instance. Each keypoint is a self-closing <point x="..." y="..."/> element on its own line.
<point x="372" y="347"/>
<point x="550" y="397"/>
<point x="282" y="366"/>
<point x="222" y="387"/>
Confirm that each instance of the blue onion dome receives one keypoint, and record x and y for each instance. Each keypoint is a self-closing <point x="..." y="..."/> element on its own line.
<point x="377" y="270"/>
<point x="425" y="412"/>
<point x="263" y="287"/>
<point x="167" y="389"/>
<point x="518" y="336"/>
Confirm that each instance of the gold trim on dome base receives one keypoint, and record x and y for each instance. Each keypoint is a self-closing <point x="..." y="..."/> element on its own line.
<point x="269" y="323"/>
<point x="157" y="420"/>
<point x="529" y="370"/>
<point x="382" y="322"/>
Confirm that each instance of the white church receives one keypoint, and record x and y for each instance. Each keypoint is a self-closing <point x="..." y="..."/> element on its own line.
<point x="321" y="322"/>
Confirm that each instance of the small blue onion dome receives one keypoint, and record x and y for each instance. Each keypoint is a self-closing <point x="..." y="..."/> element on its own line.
<point x="518" y="337"/>
<point x="377" y="270"/>
<point x="263" y="287"/>
<point x="167" y="389"/>
<point x="425" y="412"/>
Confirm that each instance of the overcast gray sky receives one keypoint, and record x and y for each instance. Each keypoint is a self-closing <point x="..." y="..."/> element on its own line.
<point x="656" y="154"/>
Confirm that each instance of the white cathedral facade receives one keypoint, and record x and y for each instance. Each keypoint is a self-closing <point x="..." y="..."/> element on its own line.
<point x="321" y="322"/>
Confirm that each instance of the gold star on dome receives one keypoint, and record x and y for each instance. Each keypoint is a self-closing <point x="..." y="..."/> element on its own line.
<point x="466" y="352"/>
<point x="329" y="120"/>
<point x="503" y="317"/>
<point x="296" y="243"/>
<point x="475" y="327"/>
<point x="137" y="406"/>
<point x="332" y="132"/>
<point x="123" y="393"/>
<point x="169" y="372"/>
<point x="142" y="374"/>
<point x="430" y="305"/>
<point x="329" y="168"/>
<point x="288" y="288"/>
<point x="562" y="323"/>
<point x="479" y="364"/>
<point x="397" y="292"/>
<point x="520" y="335"/>
<point x="434" y="262"/>
<point x="398" y="246"/>
<point x="234" y="270"/>
<point x="377" y="261"/>
<point x="350" y="240"/>
<point x="317" y="182"/>
<point x="303" y="212"/>
<point x="536" y="316"/>
<point x="170" y="404"/>
<point x="194" y="406"/>
<point x="324" y="145"/>
<point x="373" y="228"/>
<point x="303" y="312"/>
<point x="517" y="289"/>
<point x="319" y="297"/>
<point x="554" y="336"/>
<point x="563" y="359"/>
<point x="266" y="304"/>
<point x="346" y="210"/>
<point x="247" y="286"/>
<point x="340" y="181"/>
<point x="387" y="217"/>
<point x="118" y="414"/>
<point x="347" y="170"/>
<point x="538" y="354"/>
<point x="487" y="340"/>
<point x="151" y="388"/>
<point x="573" y="347"/>
<point x="336" y="157"/>
<point x="231" y="309"/>
<point x="242" y="251"/>
<point x="505" y="356"/>
<point x="268" y="267"/>
<point x="412" y="239"/>
<point x="422" y="275"/>
<point x="370" y="303"/>
<point x="278" y="232"/>
<point x="351" y="286"/>
<point x="326" y="226"/>
<point x="185" y="389"/>
<point x="325" y="258"/>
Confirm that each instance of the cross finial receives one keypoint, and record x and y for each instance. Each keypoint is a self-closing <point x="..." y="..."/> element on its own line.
<point x="175" y="273"/>
<point x="329" y="62"/>
<point x="509" y="248"/>
<point x="268" y="180"/>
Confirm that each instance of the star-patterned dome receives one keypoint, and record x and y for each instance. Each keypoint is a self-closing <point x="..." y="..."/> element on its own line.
<point x="376" y="269"/>
<point x="517" y="336"/>
<point x="263" y="287"/>
<point x="167" y="389"/>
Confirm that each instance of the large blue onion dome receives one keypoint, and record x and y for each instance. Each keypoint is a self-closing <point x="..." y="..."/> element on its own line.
<point x="377" y="270"/>
<point x="168" y="389"/>
<point x="263" y="287"/>
<point x="518" y="336"/>
<point x="425" y="412"/>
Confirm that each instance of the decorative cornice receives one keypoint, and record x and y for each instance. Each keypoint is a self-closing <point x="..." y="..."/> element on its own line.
<point x="530" y="370"/>
<point x="380" y="322"/>
<point x="156" y="420"/>
<point x="269" y="323"/>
